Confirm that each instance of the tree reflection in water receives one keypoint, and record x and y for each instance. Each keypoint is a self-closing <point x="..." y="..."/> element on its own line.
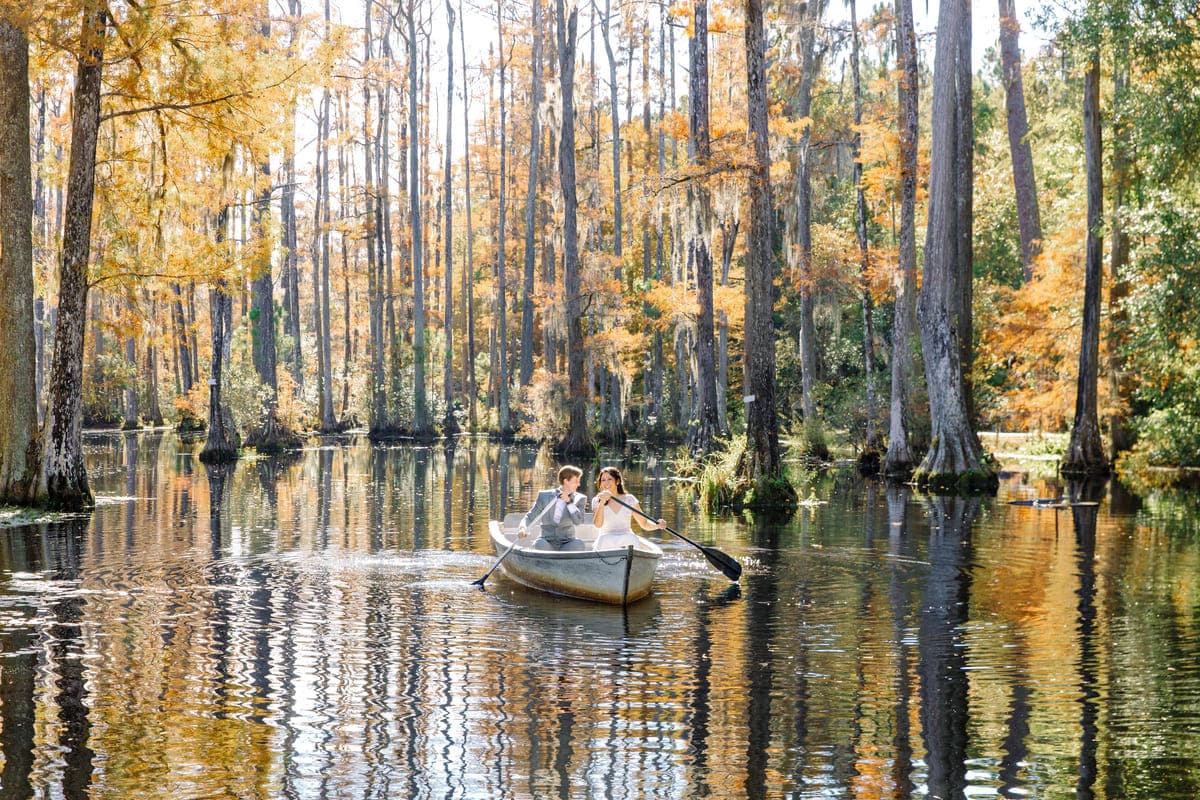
<point x="278" y="629"/>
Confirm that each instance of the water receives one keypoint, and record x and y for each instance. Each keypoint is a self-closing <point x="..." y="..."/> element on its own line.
<point x="308" y="630"/>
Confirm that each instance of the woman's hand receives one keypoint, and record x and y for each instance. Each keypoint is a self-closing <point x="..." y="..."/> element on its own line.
<point x="662" y="523"/>
<point x="604" y="497"/>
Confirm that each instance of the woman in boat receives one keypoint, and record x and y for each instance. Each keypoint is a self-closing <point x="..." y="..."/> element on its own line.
<point x="612" y="520"/>
<point x="559" y="511"/>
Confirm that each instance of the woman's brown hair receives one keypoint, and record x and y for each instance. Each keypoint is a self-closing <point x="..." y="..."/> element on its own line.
<point x="616" y="475"/>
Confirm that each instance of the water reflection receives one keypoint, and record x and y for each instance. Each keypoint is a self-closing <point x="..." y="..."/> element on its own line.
<point x="307" y="629"/>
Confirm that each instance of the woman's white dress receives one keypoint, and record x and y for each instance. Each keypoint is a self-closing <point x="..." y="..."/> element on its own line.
<point x="616" y="531"/>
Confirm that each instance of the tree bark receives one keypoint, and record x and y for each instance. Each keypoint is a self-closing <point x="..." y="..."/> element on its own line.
<point x="810" y="16"/>
<point x="469" y="271"/>
<point x="578" y="441"/>
<point x="763" y="464"/>
<point x="131" y="391"/>
<point x="615" y="118"/>
<point x="1028" y="217"/>
<point x="422" y="427"/>
<point x="873" y="438"/>
<point x="965" y="207"/>
<point x="898" y="461"/>
<point x="503" y="416"/>
<point x="378" y="421"/>
<point x="955" y="458"/>
<point x="535" y="146"/>
<point x="18" y="349"/>
<point x="450" y="421"/>
<point x="223" y="439"/>
<point x="290" y="267"/>
<point x="1120" y="432"/>
<point x="1085" y="453"/>
<point x="704" y="425"/>
<point x="63" y="483"/>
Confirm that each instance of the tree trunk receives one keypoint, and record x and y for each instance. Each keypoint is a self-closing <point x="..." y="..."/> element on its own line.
<point x="1028" y="217"/>
<point x="873" y="438"/>
<point x="290" y="267"/>
<point x="63" y="483"/>
<point x="421" y="425"/>
<point x="1121" y="434"/>
<point x="899" y="459"/>
<point x="965" y="208"/>
<point x="450" y="421"/>
<point x="378" y="422"/>
<point x="729" y="234"/>
<point x="265" y="436"/>
<point x="615" y="118"/>
<point x="578" y="441"/>
<point x="18" y="353"/>
<point x="1085" y="453"/>
<point x="810" y="16"/>
<point x="153" y="410"/>
<point x="131" y="391"/>
<point x="223" y="440"/>
<point x="469" y="271"/>
<point x="955" y="458"/>
<point x="704" y="425"/>
<point x="535" y="146"/>
<point x="763" y="464"/>
<point x="504" y="421"/>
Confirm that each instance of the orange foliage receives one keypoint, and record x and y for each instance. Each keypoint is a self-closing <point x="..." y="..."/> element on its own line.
<point x="1031" y="338"/>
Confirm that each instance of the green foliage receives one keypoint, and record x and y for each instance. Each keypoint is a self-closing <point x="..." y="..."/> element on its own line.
<point x="1163" y="339"/>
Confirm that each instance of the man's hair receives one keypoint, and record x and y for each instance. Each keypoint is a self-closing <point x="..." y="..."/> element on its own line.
<point x="569" y="471"/>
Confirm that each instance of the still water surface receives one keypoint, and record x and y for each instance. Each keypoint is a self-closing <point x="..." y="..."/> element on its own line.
<point x="308" y="630"/>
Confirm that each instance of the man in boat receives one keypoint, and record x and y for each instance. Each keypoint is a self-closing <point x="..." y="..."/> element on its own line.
<point x="559" y="511"/>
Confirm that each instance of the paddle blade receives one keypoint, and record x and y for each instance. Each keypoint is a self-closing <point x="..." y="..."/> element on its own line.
<point x="728" y="565"/>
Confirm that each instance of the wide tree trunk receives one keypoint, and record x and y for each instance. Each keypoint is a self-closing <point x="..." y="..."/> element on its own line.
<point x="964" y="226"/>
<point x="1085" y="453"/>
<point x="704" y="426"/>
<point x="18" y="350"/>
<point x="873" y="438"/>
<point x="63" y="483"/>
<point x="1029" y="219"/>
<point x="763" y="462"/>
<point x="290" y="255"/>
<point x="153" y="408"/>
<point x="898" y="461"/>
<point x="955" y="457"/>
<point x="377" y="416"/>
<point x="578" y="441"/>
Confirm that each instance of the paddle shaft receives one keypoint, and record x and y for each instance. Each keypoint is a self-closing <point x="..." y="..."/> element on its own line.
<point x="480" y="581"/>
<point x="728" y="565"/>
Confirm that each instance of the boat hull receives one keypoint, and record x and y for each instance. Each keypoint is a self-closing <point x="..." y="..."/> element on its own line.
<point x="616" y="576"/>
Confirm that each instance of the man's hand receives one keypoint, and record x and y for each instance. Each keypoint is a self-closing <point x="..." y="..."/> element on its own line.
<point x="521" y="532"/>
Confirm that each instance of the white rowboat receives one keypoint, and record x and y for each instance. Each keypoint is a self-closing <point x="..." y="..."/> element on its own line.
<point x="617" y="576"/>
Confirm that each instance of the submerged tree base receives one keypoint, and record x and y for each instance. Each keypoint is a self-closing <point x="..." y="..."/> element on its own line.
<point x="976" y="481"/>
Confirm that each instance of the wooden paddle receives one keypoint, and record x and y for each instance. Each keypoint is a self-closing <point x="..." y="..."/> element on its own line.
<point x="728" y="565"/>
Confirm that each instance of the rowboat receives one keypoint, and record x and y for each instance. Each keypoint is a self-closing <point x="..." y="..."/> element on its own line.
<point x="619" y="576"/>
